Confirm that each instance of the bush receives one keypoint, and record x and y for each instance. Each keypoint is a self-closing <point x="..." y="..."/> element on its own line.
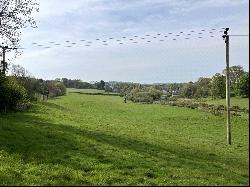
<point x="61" y="89"/>
<point x="55" y="88"/>
<point x="12" y="95"/>
<point x="144" y="95"/>
<point x="33" y="87"/>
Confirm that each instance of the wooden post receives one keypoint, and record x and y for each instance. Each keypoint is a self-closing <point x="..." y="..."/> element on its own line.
<point x="3" y="63"/>
<point x="229" y="134"/>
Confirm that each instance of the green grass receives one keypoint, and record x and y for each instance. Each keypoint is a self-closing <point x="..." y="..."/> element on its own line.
<point x="85" y="90"/>
<point x="91" y="92"/>
<point x="99" y="140"/>
<point x="235" y="101"/>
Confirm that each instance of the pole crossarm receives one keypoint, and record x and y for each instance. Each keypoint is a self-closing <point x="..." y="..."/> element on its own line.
<point x="238" y="35"/>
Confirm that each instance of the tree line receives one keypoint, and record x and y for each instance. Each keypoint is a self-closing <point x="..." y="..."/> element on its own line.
<point x="20" y="88"/>
<point x="78" y="84"/>
<point x="214" y="87"/>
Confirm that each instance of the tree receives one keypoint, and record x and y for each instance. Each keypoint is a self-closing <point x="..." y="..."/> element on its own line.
<point x="144" y="94"/>
<point x="203" y="87"/>
<point x="242" y="86"/>
<point x="14" y="15"/>
<point x="102" y="85"/>
<point x="188" y="90"/>
<point x="218" y="86"/>
<point x="235" y="73"/>
<point x="25" y="79"/>
<point x="19" y="71"/>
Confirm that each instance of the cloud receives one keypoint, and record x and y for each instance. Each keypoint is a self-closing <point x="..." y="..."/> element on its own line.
<point x="61" y="20"/>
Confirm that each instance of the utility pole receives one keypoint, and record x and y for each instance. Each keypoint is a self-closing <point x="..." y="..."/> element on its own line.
<point x="3" y="64"/>
<point x="229" y="133"/>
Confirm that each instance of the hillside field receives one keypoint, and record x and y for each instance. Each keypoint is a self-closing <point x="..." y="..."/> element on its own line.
<point x="81" y="139"/>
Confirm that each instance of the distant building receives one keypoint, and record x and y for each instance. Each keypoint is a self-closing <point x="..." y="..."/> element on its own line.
<point x="175" y="93"/>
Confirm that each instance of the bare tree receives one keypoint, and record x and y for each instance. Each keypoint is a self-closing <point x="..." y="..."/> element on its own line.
<point x="19" y="71"/>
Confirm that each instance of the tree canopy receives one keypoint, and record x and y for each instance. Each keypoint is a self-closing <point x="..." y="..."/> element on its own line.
<point x="14" y="15"/>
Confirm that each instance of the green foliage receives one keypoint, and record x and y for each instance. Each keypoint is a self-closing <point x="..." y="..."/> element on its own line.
<point x="242" y="86"/>
<point x="235" y="101"/>
<point x="203" y="87"/>
<point x="75" y="83"/>
<point x="235" y="72"/>
<point x="55" y="88"/>
<point x="218" y="86"/>
<point x="188" y="90"/>
<point x="12" y="95"/>
<point x="124" y="88"/>
<point x="144" y="95"/>
<point x="33" y="86"/>
<point x="102" y="85"/>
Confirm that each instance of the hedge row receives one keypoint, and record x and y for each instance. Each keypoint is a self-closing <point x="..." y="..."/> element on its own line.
<point x="214" y="109"/>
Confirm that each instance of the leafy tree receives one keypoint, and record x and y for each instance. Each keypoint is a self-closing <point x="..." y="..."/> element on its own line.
<point x="188" y="90"/>
<point x="235" y="73"/>
<point x="108" y="88"/>
<point x="102" y="85"/>
<point x="242" y="85"/>
<point x="218" y="86"/>
<point x="55" y="88"/>
<point x="145" y="95"/>
<point x="14" y="15"/>
<point x="203" y="87"/>
<point x="174" y="87"/>
<point x="76" y="83"/>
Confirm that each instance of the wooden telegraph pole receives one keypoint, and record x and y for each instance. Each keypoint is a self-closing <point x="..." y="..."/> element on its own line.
<point x="229" y="133"/>
<point x="4" y="64"/>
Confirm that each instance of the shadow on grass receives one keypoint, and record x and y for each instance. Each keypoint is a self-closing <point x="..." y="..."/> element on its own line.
<point x="104" y="94"/>
<point x="39" y="141"/>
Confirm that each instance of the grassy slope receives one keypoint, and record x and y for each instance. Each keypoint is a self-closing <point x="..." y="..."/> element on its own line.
<point x="98" y="140"/>
<point x="235" y="101"/>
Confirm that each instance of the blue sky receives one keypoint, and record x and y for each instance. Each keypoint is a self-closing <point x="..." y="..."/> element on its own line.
<point x="158" y="61"/>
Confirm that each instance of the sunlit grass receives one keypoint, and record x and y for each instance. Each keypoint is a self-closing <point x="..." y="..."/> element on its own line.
<point x="99" y="140"/>
<point x="235" y="101"/>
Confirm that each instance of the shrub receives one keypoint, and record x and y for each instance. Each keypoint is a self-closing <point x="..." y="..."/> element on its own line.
<point x="144" y="95"/>
<point x="12" y="94"/>
<point x="55" y="88"/>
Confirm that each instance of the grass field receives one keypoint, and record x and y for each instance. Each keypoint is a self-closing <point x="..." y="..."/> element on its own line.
<point x="235" y="101"/>
<point x="99" y="140"/>
<point x="91" y="92"/>
<point x="70" y="90"/>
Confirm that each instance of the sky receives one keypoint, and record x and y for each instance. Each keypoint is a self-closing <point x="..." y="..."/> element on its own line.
<point x="181" y="60"/>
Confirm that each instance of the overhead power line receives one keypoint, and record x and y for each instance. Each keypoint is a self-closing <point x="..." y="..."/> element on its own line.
<point x="134" y="39"/>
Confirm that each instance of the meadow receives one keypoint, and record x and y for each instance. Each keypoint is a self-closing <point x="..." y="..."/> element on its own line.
<point x="234" y="101"/>
<point x="81" y="139"/>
